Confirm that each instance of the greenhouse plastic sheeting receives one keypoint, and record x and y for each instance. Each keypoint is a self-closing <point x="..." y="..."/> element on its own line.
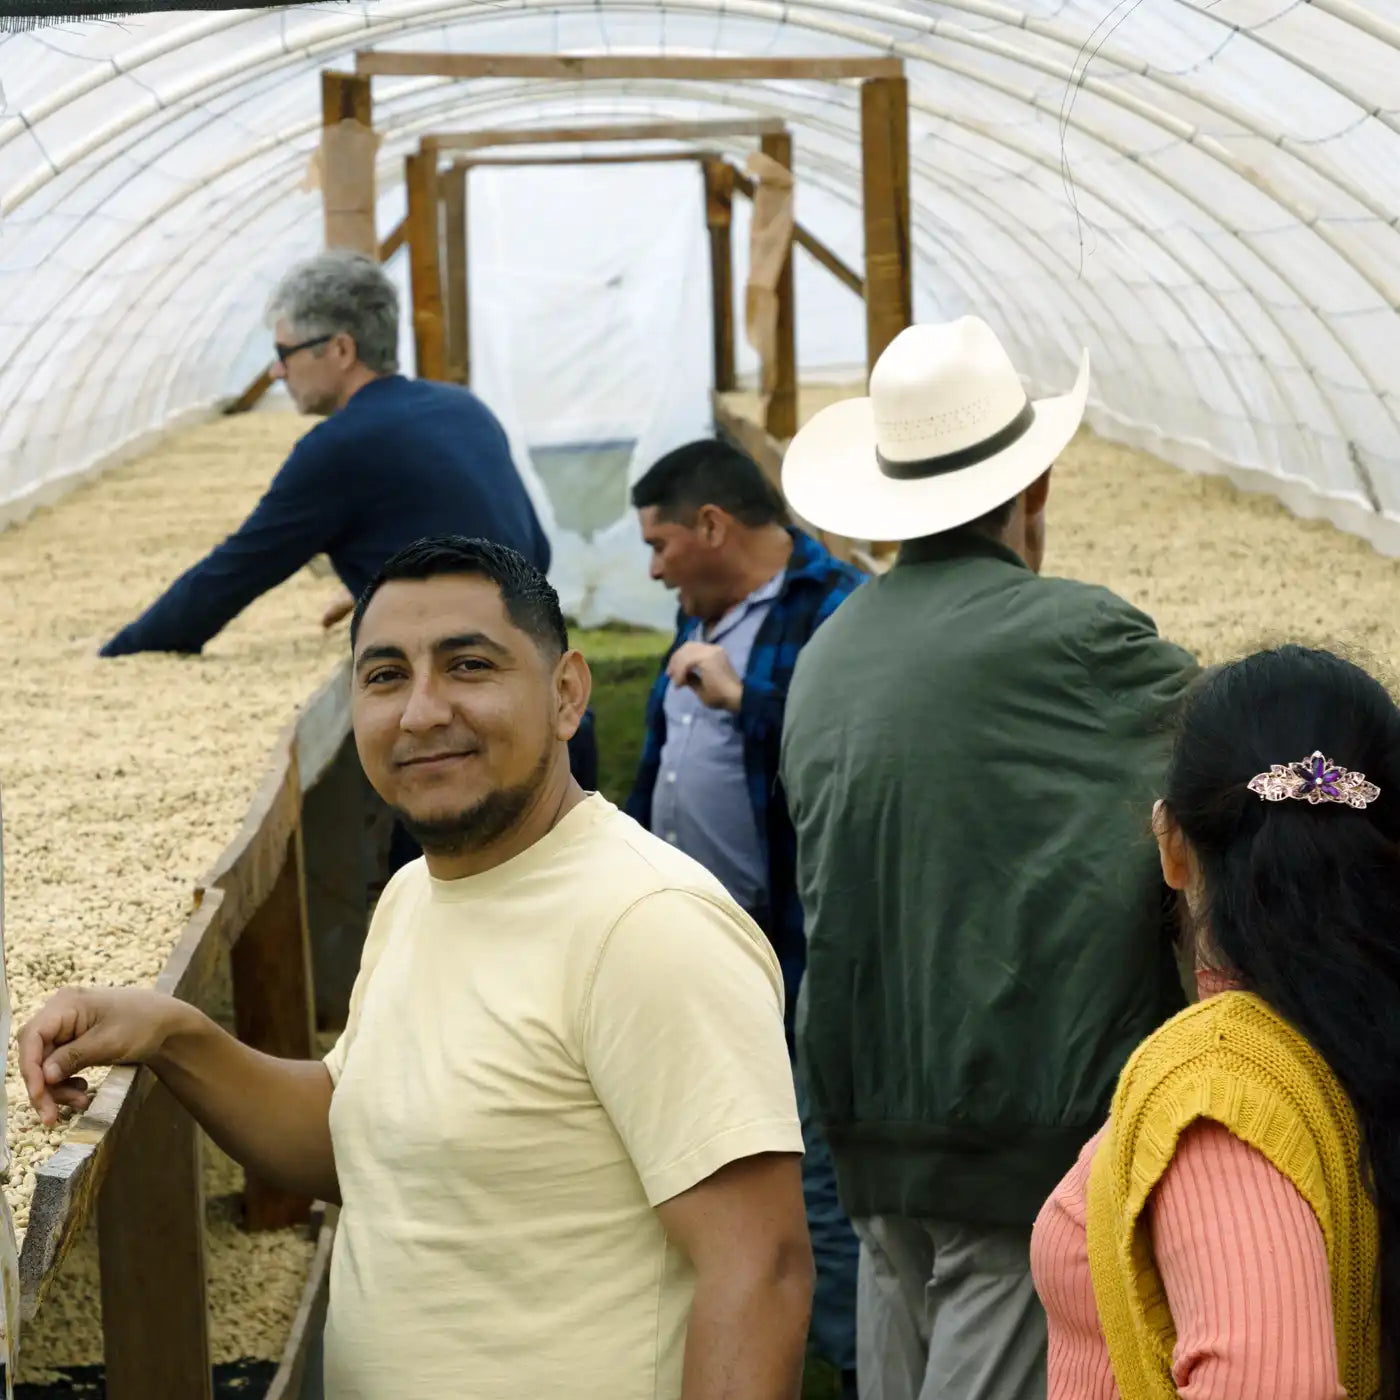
<point x="1203" y="192"/>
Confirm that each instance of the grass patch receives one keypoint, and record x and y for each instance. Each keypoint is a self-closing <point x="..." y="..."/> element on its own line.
<point x="624" y="663"/>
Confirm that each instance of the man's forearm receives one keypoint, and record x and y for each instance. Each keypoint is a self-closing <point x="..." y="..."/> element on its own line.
<point x="747" y="1337"/>
<point x="270" y="1115"/>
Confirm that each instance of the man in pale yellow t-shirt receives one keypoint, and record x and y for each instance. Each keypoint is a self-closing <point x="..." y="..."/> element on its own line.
<point x="561" y="1119"/>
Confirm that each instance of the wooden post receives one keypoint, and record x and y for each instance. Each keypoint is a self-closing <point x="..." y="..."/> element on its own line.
<point x="338" y="878"/>
<point x="884" y="132"/>
<point x="273" y="1008"/>
<point x="150" y="1224"/>
<point x="347" y="162"/>
<point x="425" y="277"/>
<point x="719" y="215"/>
<point x="781" y="418"/>
<point x="454" y="234"/>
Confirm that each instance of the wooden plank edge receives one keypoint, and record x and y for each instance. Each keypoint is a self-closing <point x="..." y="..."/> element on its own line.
<point x="592" y="158"/>
<point x="584" y="67"/>
<point x="322" y="727"/>
<point x="249" y="865"/>
<point x="810" y="243"/>
<point x="484" y="138"/>
<point x="310" y="1316"/>
<point x="67" y="1183"/>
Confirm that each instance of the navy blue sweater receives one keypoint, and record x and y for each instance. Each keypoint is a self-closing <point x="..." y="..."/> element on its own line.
<point x="405" y="458"/>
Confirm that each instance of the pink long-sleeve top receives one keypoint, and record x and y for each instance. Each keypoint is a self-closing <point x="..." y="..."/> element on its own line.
<point x="1243" y="1262"/>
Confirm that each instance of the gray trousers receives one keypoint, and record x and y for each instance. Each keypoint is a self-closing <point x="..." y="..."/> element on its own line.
<point x="947" y="1312"/>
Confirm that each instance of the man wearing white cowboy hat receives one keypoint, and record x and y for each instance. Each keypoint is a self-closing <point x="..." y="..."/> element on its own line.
<point x="969" y="754"/>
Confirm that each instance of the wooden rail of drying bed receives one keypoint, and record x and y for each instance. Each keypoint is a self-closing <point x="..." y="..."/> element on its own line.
<point x="133" y="1158"/>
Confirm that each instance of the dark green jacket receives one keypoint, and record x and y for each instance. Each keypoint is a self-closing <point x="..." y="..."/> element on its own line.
<point x="970" y="756"/>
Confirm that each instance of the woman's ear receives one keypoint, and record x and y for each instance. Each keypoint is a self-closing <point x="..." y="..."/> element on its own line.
<point x="1171" y="847"/>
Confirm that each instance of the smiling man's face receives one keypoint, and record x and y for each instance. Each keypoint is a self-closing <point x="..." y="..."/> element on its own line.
<point x="455" y="710"/>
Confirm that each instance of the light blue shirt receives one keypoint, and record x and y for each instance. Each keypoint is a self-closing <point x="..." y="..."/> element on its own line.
<point x="701" y="799"/>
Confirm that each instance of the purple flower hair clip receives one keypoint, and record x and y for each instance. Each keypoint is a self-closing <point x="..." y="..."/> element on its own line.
<point x="1316" y="779"/>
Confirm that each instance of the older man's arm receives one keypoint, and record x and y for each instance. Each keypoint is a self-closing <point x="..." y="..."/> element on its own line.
<point x="299" y="516"/>
<point x="745" y="1232"/>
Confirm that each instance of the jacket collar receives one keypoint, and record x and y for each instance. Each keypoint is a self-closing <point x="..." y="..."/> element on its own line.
<point x="956" y="544"/>
<point x="809" y="559"/>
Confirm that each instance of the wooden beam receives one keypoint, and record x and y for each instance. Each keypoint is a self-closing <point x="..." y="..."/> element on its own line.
<point x="588" y="135"/>
<point x="262" y="381"/>
<point x="842" y="271"/>
<point x="425" y="276"/>
<point x="582" y="67"/>
<point x="454" y="237"/>
<point x="719" y="210"/>
<point x="150" y="1230"/>
<point x="248" y="399"/>
<point x="884" y="133"/>
<point x="345" y="97"/>
<point x="781" y="418"/>
<point x="397" y="237"/>
<point x="629" y="158"/>
<point x="288" y="1380"/>
<point x="273" y="1009"/>
<point x="321" y="729"/>
<point x="347" y="161"/>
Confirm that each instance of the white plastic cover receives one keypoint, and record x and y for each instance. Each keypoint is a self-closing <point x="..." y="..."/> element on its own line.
<point x="1204" y="192"/>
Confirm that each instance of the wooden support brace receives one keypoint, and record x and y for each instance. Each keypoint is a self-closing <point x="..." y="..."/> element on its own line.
<point x="249" y="398"/>
<point x="582" y="67"/>
<point x="719" y="210"/>
<point x="626" y="158"/>
<point x="454" y="237"/>
<point x="781" y="417"/>
<point x="805" y="239"/>
<point x="425" y="276"/>
<point x="334" y="816"/>
<point x="884" y="129"/>
<point x="273" y="1007"/>
<point x="395" y="239"/>
<point x="150" y="1224"/>
<point x="347" y="161"/>
<point x="295" y="1378"/>
<point x="487" y="137"/>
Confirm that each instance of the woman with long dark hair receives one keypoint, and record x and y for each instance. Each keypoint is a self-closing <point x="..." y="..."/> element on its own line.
<point x="1234" y="1231"/>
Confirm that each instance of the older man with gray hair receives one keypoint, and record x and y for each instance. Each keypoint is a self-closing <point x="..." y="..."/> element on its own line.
<point x="396" y="460"/>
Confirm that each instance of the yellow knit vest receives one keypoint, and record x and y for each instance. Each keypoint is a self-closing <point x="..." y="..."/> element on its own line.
<point x="1231" y="1059"/>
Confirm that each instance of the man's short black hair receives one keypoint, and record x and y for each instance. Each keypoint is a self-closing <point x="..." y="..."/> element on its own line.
<point x="709" y="472"/>
<point x="529" y="598"/>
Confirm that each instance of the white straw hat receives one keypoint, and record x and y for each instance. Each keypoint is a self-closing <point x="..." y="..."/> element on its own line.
<point x="946" y="435"/>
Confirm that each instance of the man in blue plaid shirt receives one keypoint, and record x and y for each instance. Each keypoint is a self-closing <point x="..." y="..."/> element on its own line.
<point x="752" y="591"/>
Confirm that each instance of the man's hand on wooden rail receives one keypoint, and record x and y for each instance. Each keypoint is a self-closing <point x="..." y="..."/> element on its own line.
<point x="271" y="1115"/>
<point x="77" y="1030"/>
